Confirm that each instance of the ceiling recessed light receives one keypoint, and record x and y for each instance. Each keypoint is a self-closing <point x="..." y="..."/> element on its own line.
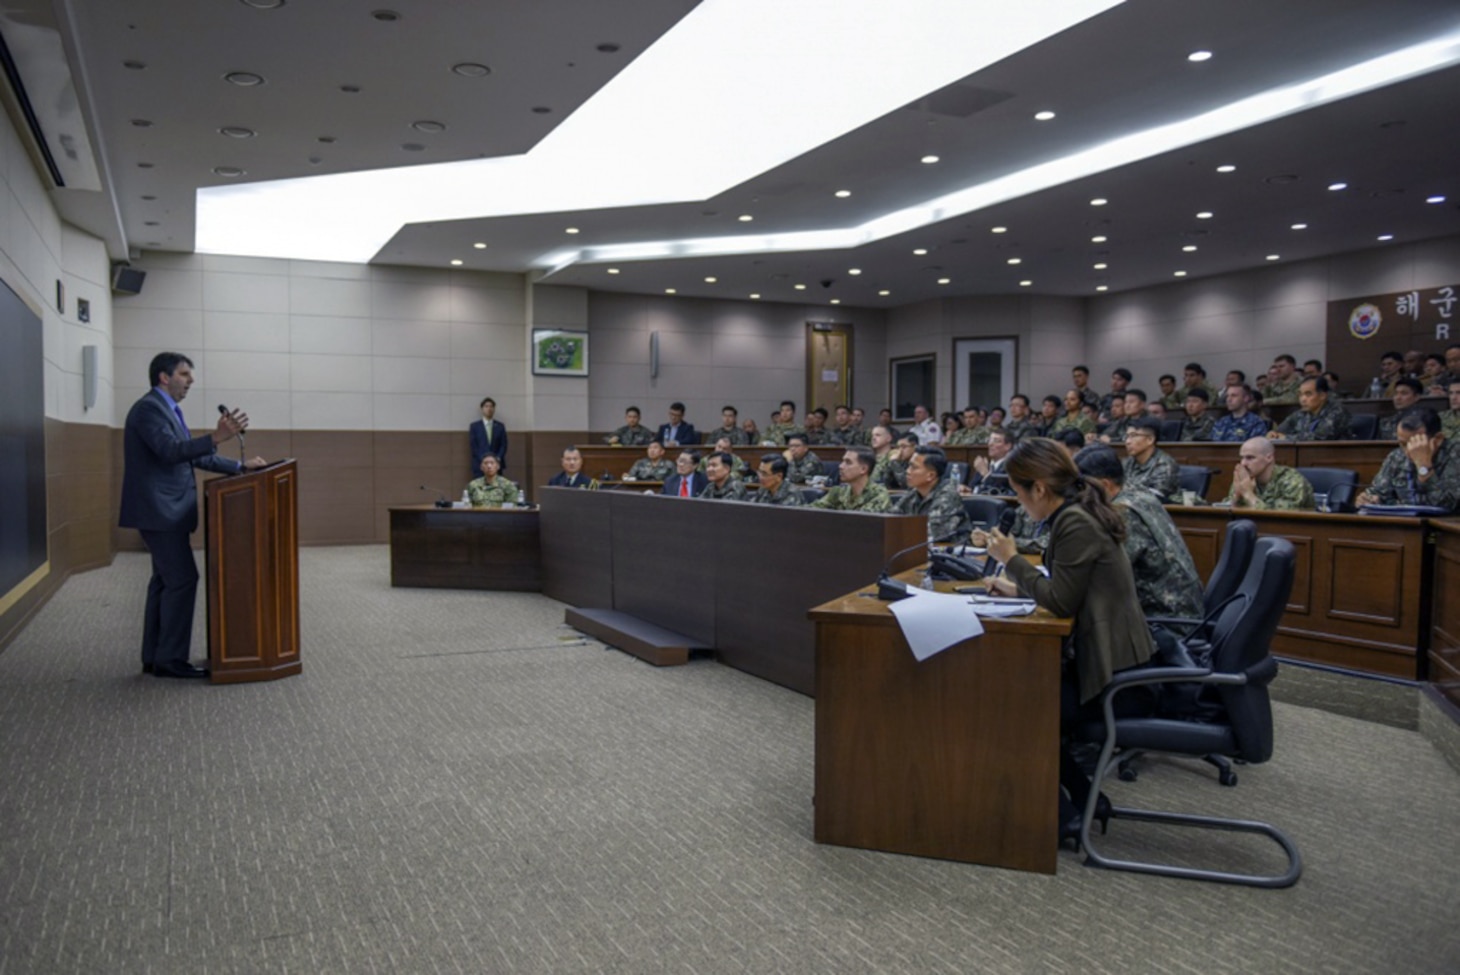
<point x="854" y="270"/>
<point x="1180" y="274"/>
<point x="613" y="270"/>
<point x="480" y="245"/>
<point x="427" y="125"/>
<point x="237" y="132"/>
<point x="244" y="79"/>
<point x="264" y="4"/>
<point x="745" y="218"/>
<point x="836" y="301"/>
<point x="1199" y="56"/>
<point x="1189" y="248"/>
<point x="1274" y="257"/>
<point x="1226" y="168"/>
<point x="920" y="251"/>
<point x="1435" y="199"/>
<point x="1204" y="215"/>
<point x="799" y="287"/>
<point x="570" y="230"/>
<point x="456" y="262"/>
<point x="1335" y="187"/>
<point x="928" y="160"/>
<point x="470" y="69"/>
<point x="229" y="171"/>
<point x="1300" y="226"/>
<point x="1099" y="201"/>
<point x="1015" y="260"/>
<point x="945" y="280"/>
<point x="1102" y="287"/>
<point x="671" y="291"/>
<point x="1099" y="239"/>
<point x="843" y="194"/>
<point x="1385" y="237"/>
<point x="884" y="293"/>
<point x="755" y="295"/>
<point x="1025" y="283"/>
<point x="998" y="230"/>
<point x="1043" y="116"/>
<point x="711" y="279"/>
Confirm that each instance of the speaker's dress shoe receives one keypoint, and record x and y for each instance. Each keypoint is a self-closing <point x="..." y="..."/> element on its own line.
<point x="179" y="670"/>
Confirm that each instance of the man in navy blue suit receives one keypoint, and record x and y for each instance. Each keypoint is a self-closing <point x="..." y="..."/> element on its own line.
<point x="687" y="481"/>
<point x="676" y="431"/>
<point x="488" y="436"/>
<point x="160" y="500"/>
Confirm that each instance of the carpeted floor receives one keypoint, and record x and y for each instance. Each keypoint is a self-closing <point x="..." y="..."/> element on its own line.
<point x="458" y="783"/>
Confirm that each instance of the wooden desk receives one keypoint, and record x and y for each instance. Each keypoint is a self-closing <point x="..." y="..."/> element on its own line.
<point x="465" y="548"/>
<point x="956" y="757"/>
<point x="1444" y="657"/>
<point x="1359" y="590"/>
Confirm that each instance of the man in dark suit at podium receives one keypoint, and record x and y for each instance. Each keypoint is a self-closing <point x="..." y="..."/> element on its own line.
<point x="160" y="500"/>
<point x="488" y="436"/>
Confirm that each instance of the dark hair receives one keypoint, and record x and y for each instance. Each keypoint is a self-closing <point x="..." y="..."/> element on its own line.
<point x="570" y="449"/>
<point x="1391" y="354"/>
<point x="1166" y="377"/>
<point x="1414" y="385"/>
<point x="1043" y="460"/>
<point x="1320" y="385"/>
<point x="1020" y="396"/>
<point x="790" y="403"/>
<point x="1124" y="373"/>
<point x="1332" y="378"/>
<point x="798" y="435"/>
<point x="909" y="437"/>
<point x="1084" y="369"/>
<point x="732" y="409"/>
<point x="654" y="441"/>
<point x="677" y="406"/>
<point x="841" y="406"/>
<point x="724" y="457"/>
<point x="693" y="455"/>
<point x="1002" y="434"/>
<point x="1071" y="437"/>
<point x="1200" y="392"/>
<point x="1247" y="390"/>
<point x="776" y="462"/>
<point x="1139" y="394"/>
<point x="1195" y="367"/>
<point x="1421" y="417"/>
<point x="1313" y="362"/>
<point x="1099" y="461"/>
<point x="864" y="456"/>
<point x="631" y="409"/>
<point x="1285" y="358"/>
<point x="1436" y="356"/>
<point x="934" y="459"/>
<point x="484" y="402"/>
<point x="1149" y="423"/>
<point x="165" y="362"/>
<point x="820" y="411"/>
<point x="1241" y="376"/>
<point x="1055" y="400"/>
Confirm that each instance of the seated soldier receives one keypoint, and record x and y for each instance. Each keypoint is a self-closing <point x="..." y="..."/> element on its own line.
<point x="1167" y="582"/>
<point x="491" y="490"/>
<point x="1240" y="424"/>
<point x="654" y="467"/>
<point x="1422" y="470"/>
<point x="1074" y="417"/>
<point x="572" y="473"/>
<point x="632" y="433"/>
<point x="856" y="492"/>
<point x="968" y="433"/>
<point x="1450" y="419"/>
<point x="816" y="426"/>
<point x="1147" y="467"/>
<point x="1030" y="537"/>
<point x="1320" y="418"/>
<point x="1133" y="408"/>
<point x="782" y="425"/>
<point x="894" y="474"/>
<point x="804" y="465"/>
<point x="883" y="452"/>
<point x="846" y="433"/>
<point x="737" y="466"/>
<point x="1197" y="425"/>
<point x="1406" y="393"/>
<point x="722" y="486"/>
<point x="931" y="493"/>
<point x="774" y="488"/>
<point x="1258" y="481"/>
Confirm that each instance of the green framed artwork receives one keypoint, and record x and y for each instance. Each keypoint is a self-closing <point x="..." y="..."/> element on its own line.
<point x="559" y="352"/>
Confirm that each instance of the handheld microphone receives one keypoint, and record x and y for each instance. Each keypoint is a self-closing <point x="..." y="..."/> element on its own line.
<point x="1006" y="525"/>
<point x="223" y="410"/>
<point x="441" y="501"/>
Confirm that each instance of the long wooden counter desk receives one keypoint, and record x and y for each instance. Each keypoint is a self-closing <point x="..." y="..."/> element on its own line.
<point x="1361" y="590"/>
<point x="738" y="578"/>
<point x="465" y="548"/>
<point x="1444" y="660"/>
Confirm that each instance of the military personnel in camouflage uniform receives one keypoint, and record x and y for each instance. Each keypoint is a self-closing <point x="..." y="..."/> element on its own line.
<point x="491" y="490"/>
<point x="1450" y="419"/>
<point x="1197" y="425"/>
<point x="1019" y="423"/>
<point x="1119" y="380"/>
<point x="804" y="464"/>
<point x="722" y="445"/>
<point x="1074" y="417"/>
<point x="1195" y="377"/>
<point x="654" y="467"/>
<point x="1170" y="397"/>
<point x="894" y="473"/>
<point x="631" y="434"/>
<point x="729" y="428"/>
<point x="1240" y="424"/>
<point x="855" y="492"/>
<point x="784" y="426"/>
<point x="721" y="486"/>
<point x="1166" y="578"/>
<point x="1319" y="419"/>
<point x="1284" y="386"/>
<point x="1030" y="537"/>
<point x="816" y="432"/>
<point x="1260" y="482"/>
<point x="1147" y="467"/>
<point x="774" y="488"/>
<point x="1406" y="393"/>
<point x="1080" y="376"/>
<point x="845" y="433"/>
<point x="1423" y="469"/>
<point x="883" y="451"/>
<point x="931" y="493"/>
<point x="967" y="434"/>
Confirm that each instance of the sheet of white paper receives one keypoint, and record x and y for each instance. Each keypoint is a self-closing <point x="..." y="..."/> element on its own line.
<point x="932" y="621"/>
<point x="992" y="610"/>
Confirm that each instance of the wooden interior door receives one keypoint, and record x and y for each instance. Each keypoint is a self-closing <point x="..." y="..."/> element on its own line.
<point x="828" y="365"/>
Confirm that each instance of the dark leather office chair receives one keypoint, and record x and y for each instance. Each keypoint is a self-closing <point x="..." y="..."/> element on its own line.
<point x="1234" y="717"/>
<point x="809" y="495"/>
<point x="984" y="512"/>
<point x="1171" y="429"/>
<point x="833" y="471"/>
<point x="1341" y="498"/>
<point x="996" y="483"/>
<point x="1195" y="479"/>
<point x="1325" y="479"/>
<point x="1363" y="426"/>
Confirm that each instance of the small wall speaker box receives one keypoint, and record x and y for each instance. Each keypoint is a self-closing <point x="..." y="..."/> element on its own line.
<point x="127" y="280"/>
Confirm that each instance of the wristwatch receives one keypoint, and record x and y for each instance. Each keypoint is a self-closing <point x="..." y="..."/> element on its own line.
<point x="1422" y="471"/>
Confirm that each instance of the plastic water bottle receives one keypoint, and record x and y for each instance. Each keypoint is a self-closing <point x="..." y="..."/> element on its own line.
<point x="465" y="498"/>
<point x="521" y="499"/>
<point x="1376" y="389"/>
<point x="957" y="478"/>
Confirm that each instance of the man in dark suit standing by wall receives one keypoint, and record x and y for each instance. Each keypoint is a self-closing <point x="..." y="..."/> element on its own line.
<point x="488" y="436"/>
<point x="160" y="500"/>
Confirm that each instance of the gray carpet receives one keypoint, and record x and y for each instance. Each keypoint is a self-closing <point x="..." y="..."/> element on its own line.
<point x="458" y="783"/>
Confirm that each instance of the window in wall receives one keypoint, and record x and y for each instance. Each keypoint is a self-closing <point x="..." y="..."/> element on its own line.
<point x="911" y="383"/>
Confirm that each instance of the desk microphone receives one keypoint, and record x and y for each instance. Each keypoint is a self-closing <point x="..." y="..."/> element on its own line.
<point x="441" y="501"/>
<point x="891" y="589"/>
<point x="224" y="411"/>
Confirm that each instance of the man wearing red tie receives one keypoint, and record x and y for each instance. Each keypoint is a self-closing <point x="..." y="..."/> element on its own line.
<point x="687" y="482"/>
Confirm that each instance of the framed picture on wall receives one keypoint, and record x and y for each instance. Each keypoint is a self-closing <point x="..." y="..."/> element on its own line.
<point x="559" y="352"/>
<point x="911" y="382"/>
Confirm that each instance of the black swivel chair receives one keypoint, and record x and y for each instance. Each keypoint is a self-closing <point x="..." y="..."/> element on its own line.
<point x="1195" y="479"/>
<point x="1233" y="717"/>
<point x="996" y="483"/>
<point x="833" y="471"/>
<point x="1363" y="426"/>
<point x="1326" y="479"/>
<point x="810" y="494"/>
<point x="984" y="511"/>
<point x="1341" y="498"/>
<point x="1171" y="429"/>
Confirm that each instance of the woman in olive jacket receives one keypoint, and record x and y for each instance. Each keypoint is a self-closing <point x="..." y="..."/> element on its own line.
<point x="1090" y="580"/>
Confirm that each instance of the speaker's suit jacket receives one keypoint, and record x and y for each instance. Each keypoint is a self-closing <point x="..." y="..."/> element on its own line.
<point x="159" y="492"/>
<point x="479" y="448"/>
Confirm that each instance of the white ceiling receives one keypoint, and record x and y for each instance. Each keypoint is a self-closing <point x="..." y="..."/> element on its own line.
<point x="1121" y="71"/>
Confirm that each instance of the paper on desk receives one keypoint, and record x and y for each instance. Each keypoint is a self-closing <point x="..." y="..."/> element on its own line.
<point x="934" y="621"/>
<point x="1013" y="607"/>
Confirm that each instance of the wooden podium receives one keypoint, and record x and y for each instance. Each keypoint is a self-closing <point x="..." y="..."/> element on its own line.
<point x="252" y="531"/>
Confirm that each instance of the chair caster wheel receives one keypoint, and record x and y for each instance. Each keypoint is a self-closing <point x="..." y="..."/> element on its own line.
<point x="1227" y="777"/>
<point x="1127" y="775"/>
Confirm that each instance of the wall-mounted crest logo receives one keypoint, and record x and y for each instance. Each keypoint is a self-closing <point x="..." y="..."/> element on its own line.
<point x="1364" y="322"/>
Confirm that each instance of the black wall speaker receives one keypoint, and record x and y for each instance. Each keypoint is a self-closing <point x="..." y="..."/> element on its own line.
<point x="127" y="280"/>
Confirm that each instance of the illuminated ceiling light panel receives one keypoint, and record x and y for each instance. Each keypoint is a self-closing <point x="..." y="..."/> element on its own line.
<point x="616" y="151"/>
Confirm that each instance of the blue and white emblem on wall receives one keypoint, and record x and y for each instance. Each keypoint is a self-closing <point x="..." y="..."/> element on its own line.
<point x="1364" y="322"/>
